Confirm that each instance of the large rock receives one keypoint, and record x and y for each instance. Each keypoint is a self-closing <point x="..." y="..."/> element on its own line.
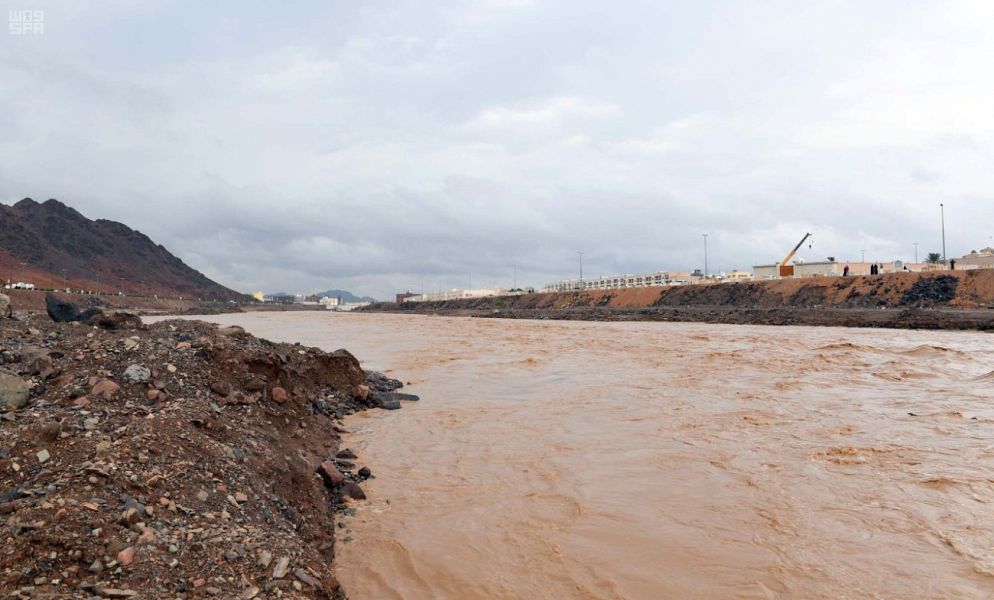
<point x="61" y="311"/>
<point x="14" y="391"/>
<point x="5" y="310"/>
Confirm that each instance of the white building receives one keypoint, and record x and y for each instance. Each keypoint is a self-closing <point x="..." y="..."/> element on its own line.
<point x="457" y="294"/>
<point x="623" y="281"/>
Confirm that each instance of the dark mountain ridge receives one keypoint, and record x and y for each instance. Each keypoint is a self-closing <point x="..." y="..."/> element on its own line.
<point x="52" y="243"/>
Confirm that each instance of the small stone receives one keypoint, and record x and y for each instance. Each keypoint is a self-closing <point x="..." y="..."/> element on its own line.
<point x="43" y="456"/>
<point x="279" y="395"/>
<point x="240" y="497"/>
<point x="171" y="368"/>
<point x="116" y="593"/>
<point x="265" y="557"/>
<point x="347" y="454"/>
<point x="126" y="556"/>
<point x="105" y="388"/>
<point x="14" y="391"/>
<point x="136" y="374"/>
<point x="281" y="568"/>
<point x="306" y="578"/>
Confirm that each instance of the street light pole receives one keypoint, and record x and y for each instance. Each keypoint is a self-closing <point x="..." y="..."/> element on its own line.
<point x="581" y="269"/>
<point x="916" y="252"/>
<point x="514" y="283"/>
<point x="862" y="256"/>
<point x="942" y="213"/>
<point x="705" y="255"/>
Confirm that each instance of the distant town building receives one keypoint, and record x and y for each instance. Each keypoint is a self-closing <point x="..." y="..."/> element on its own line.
<point x="405" y="295"/>
<point x="329" y="302"/>
<point x="829" y="268"/>
<point x="624" y="281"/>
<point x="456" y="294"/>
<point x="978" y="259"/>
<point x="279" y="298"/>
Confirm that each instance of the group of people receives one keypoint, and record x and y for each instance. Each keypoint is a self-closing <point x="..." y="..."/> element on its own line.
<point x="875" y="269"/>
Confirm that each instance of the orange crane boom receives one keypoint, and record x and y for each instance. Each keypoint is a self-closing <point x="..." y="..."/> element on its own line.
<point x="786" y="270"/>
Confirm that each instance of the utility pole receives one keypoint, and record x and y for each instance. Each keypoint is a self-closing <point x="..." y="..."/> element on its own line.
<point x="916" y="252"/>
<point x="705" y="255"/>
<point x="862" y="256"/>
<point x="942" y="213"/>
<point x="514" y="284"/>
<point x="581" y="268"/>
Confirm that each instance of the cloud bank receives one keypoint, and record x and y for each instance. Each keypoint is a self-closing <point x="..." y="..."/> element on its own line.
<point x="378" y="146"/>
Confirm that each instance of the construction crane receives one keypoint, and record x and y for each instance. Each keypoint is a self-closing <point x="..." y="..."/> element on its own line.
<point x="786" y="270"/>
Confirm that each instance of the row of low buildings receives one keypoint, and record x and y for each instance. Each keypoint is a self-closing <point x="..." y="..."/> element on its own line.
<point x="978" y="259"/>
<point x="644" y="280"/>
<point x="455" y="294"/>
<point x="328" y="302"/>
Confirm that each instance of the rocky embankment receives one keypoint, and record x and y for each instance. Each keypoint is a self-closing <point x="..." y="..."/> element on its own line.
<point x="939" y="300"/>
<point x="174" y="460"/>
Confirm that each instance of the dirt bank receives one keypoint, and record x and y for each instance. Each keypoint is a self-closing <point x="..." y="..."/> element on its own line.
<point x="941" y="300"/>
<point x="172" y="460"/>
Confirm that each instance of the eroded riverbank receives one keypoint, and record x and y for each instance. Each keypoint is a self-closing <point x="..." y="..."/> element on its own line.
<point x="649" y="460"/>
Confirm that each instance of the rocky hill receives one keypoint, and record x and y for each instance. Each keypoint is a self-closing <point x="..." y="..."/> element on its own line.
<point x="51" y="245"/>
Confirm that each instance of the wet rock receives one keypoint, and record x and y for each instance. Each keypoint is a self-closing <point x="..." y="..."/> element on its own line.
<point x="14" y="391"/>
<point x="365" y="473"/>
<point x="330" y="474"/>
<point x="390" y="400"/>
<point x="347" y="454"/>
<point x="135" y="374"/>
<point x="352" y="490"/>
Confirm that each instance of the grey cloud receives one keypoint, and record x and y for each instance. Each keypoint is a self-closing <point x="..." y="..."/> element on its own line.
<point x="377" y="145"/>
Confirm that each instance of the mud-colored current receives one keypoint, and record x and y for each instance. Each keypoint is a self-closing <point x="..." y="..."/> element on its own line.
<point x="665" y="460"/>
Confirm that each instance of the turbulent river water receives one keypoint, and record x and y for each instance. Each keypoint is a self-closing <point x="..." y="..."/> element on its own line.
<point x="665" y="460"/>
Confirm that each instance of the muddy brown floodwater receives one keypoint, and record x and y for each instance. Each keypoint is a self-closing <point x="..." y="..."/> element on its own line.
<point x="666" y="460"/>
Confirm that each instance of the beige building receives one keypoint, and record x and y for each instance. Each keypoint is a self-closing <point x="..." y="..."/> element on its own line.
<point x="978" y="259"/>
<point x="834" y="268"/>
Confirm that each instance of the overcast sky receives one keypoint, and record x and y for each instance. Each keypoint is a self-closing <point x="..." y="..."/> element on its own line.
<point x="373" y="146"/>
